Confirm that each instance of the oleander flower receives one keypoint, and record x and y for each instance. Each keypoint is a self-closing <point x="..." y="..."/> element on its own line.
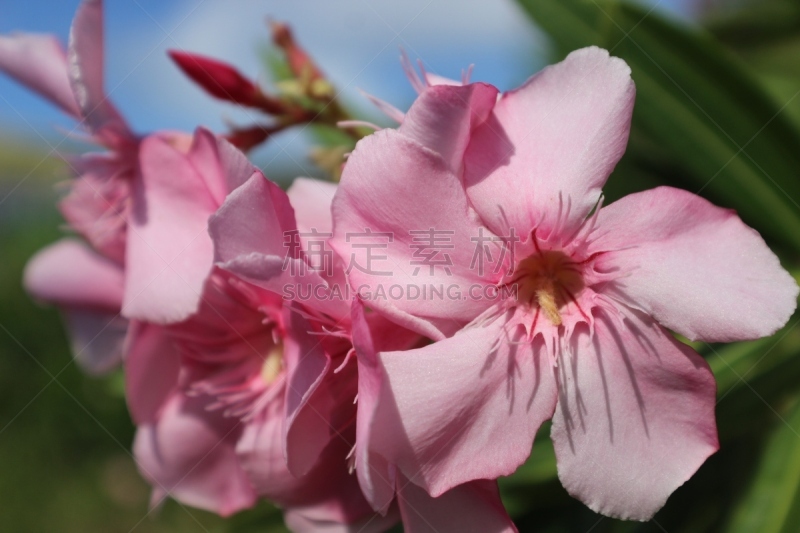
<point x="98" y="200"/>
<point x="479" y="223"/>
<point x="120" y="200"/>
<point x="215" y="398"/>
<point x="145" y="202"/>
<point x="224" y="398"/>
<point x="168" y="255"/>
<point x="331" y="394"/>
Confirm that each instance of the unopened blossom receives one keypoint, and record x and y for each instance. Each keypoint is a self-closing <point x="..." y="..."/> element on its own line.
<point x="545" y="303"/>
<point x="338" y="393"/>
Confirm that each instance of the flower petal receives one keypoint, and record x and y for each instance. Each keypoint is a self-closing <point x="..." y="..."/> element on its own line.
<point x="88" y="288"/>
<point x="632" y="401"/>
<point x="474" y="506"/>
<point x="252" y="223"/>
<point x="443" y="117"/>
<point x="190" y="454"/>
<point x="463" y="408"/>
<point x="694" y="267"/>
<point x="97" y="339"/>
<point x="311" y="200"/>
<point x="222" y="166"/>
<point x="86" y="56"/>
<point x="299" y="522"/>
<point x="260" y="451"/>
<point x="255" y="237"/>
<point x="152" y="366"/>
<point x="326" y="496"/>
<point x="391" y="187"/>
<point x="310" y="398"/>
<point x="97" y="204"/>
<point x="375" y="475"/>
<point x="169" y="252"/>
<point x="70" y="274"/>
<point x="39" y="63"/>
<point x="550" y="146"/>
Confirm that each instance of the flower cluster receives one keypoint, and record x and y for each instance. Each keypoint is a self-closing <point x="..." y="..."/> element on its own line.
<point x="385" y="349"/>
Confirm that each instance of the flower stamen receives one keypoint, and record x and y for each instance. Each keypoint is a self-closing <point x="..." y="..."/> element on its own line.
<point x="273" y="364"/>
<point x="547" y="281"/>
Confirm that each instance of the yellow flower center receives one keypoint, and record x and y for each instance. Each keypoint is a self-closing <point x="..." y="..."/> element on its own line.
<point x="273" y="364"/>
<point x="547" y="281"/>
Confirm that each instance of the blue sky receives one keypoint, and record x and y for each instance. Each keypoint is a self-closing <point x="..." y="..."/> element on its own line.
<point x="357" y="43"/>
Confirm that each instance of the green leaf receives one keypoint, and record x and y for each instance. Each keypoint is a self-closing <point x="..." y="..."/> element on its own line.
<point x="772" y="504"/>
<point x="698" y="102"/>
<point x="756" y="23"/>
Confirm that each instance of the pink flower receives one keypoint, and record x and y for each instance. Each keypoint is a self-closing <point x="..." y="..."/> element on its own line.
<point x="120" y="201"/>
<point x="73" y="80"/>
<point x="215" y="397"/>
<point x="168" y="253"/>
<point x="223" y="398"/>
<point x="544" y="304"/>
<point x="330" y="398"/>
<point x="144" y="203"/>
<point x="251" y="396"/>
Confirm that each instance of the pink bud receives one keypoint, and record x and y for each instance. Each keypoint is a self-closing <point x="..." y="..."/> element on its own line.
<point x="218" y="79"/>
<point x="299" y="61"/>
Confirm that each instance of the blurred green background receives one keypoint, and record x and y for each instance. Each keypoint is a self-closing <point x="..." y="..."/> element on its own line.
<point x="717" y="113"/>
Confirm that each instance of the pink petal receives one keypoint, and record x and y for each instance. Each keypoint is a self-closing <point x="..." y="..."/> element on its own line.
<point x="392" y="185"/>
<point x="251" y="224"/>
<point x="443" y="117"/>
<point x="633" y="402"/>
<point x="169" y="253"/>
<point x="223" y="167"/>
<point x="375" y="475"/>
<point x="70" y="274"/>
<point x="190" y="454"/>
<point x="98" y="201"/>
<point x="435" y="79"/>
<point x="261" y="454"/>
<point x="463" y="408"/>
<point x="311" y="200"/>
<point x="254" y="234"/>
<point x="39" y="63"/>
<point x="86" y="56"/>
<point x="88" y="287"/>
<point x="152" y="365"/>
<point x="474" y="506"/>
<point x="551" y="145"/>
<point x="97" y="339"/>
<point x="309" y="402"/>
<point x="694" y="267"/>
<point x="326" y="496"/>
<point x="299" y="522"/>
<point x="337" y="497"/>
